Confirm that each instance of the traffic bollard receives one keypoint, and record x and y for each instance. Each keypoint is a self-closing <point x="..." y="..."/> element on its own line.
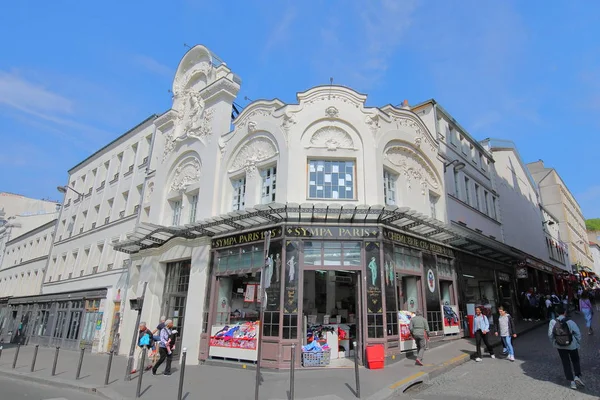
<point x="292" y="370"/>
<point x="142" y="365"/>
<point x="1" y="351"/>
<point x="107" y="377"/>
<point x="356" y="373"/>
<point x="16" y="356"/>
<point x="35" y="350"/>
<point x="79" y="364"/>
<point x="55" y="360"/>
<point x="182" y="373"/>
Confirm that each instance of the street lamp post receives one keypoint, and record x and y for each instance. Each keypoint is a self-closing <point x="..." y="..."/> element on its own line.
<point x="262" y="313"/>
<point x="137" y="305"/>
<point x="63" y="190"/>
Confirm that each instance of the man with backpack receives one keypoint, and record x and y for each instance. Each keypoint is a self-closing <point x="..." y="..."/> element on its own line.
<point x="144" y="343"/>
<point x="565" y="336"/>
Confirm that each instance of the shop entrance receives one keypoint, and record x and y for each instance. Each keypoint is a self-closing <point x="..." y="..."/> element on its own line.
<point x="331" y="315"/>
<point x="177" y="280"/>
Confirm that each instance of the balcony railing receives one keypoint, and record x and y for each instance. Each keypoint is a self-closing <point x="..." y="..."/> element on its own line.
<point x="93" y="225"/>
<point x="81" y="230"/>
<point x="136" y="209"/>
<point x="129" y="171"/>
<point x="95" y="270"/>
<point x="144" y="162"/>
<point x="67" y="204"/>
<point x="89" y="193"/>
<point x="106" y="220"/>
<point x="115" y="178"/>
<point x="121" y="214"/>
<point x="101" y="186"/>
<point x="109" y="267"/>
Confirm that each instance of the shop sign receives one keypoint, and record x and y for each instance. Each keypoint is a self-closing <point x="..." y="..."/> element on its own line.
<point x="522" y="273"/>
<point x="504" y="277"/>
<point x="417" y="243"/>
<point x="338" y="232"/>
<point x="539" y="266"/>
<point x="451" y="319"/>
<point x="244" y="238"/>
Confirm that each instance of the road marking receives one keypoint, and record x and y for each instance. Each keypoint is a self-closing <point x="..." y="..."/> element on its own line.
<point x="406" y="380"/>
<point x="455" y="360"/>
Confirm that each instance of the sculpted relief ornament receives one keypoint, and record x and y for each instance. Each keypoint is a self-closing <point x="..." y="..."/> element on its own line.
<point x="413" y="167"/>
<point x="331" y="138"/>
<point x="254" y="151"/>
<point x="186" y="174"/>
<point x="420" y="137"/>
<point x="192" y="121"/>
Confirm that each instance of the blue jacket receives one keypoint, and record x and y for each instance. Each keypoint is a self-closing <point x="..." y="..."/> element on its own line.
<point x="574" y="331"/>
<point x="481" y="322"/>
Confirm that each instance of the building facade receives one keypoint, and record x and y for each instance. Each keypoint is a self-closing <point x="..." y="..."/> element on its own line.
<point x="558" y="200"/>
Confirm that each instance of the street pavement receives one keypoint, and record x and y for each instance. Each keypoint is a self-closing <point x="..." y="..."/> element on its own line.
<point x="14" y="389"/>
<point x="234" y="382"/>
<point x="536" y="374"/>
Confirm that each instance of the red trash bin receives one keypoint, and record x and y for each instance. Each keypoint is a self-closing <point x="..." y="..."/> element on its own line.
<point x="471" y="318"/>
<point x="375" y="356"/>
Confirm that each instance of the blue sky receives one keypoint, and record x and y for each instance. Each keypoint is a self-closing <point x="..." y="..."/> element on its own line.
<point x="73" y="76"/>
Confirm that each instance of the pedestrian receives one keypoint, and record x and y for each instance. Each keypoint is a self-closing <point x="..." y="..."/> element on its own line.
<point x="481" y="327"/>
<point x="156" y="332"/>
<point x="165" y="333"/>
<point x="585" y="306"/>
<point x="419" y="329"/>
<point x="505" y="328"/>
<point x="144" y="343"/>
<point x="549" y="308"/>
<point x="565" y="336"/>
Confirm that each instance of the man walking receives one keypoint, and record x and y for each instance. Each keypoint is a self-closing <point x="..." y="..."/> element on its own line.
<point x="419" y="329"/>
<point x="144" y="343"/>
<point x="566" y="338"/>
<point x="165" y="354"/>
<point x="481" y="327"/>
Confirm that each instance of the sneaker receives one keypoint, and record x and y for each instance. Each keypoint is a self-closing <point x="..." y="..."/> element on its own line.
<point x="133" y="371"/>
<point x="419" y="362"/>
<point x="478" y="359"/>
<point x="504" y="351"/>
<point x="511" y="358"/>
<point x="573" y="385"/>
<point x="166" y="373"/>
<point x="153" y="372"/>
<point x="579" y="381"/>
<point x="493" y="356"/>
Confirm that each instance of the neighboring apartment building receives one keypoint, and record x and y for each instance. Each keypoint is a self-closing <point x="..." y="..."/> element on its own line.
<point x="21" y="274"/>
<point x="557" y="199"/>
<point x="594" y="241"/>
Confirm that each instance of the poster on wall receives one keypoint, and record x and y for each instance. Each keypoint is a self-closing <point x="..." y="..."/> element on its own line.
<point x="290" y="305"/>
<point x="431" y="289"/>
<point x="273" y="277"/>
<point x="250" y="293"/>
<point x="406" y="340"/>
<point x="522" y="273"/>
<point x="237" y="341"/>
<point x="374" y="302"/>
<point x="451" y="319"/>
<point x="389" y="271"/>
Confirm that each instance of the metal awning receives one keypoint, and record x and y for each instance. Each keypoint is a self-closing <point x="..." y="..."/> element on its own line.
<point x="148" y="236"/>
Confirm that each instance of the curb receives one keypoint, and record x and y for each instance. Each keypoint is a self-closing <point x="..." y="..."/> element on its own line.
<point x="101" y="391"/>
<point x="399" y="387"/>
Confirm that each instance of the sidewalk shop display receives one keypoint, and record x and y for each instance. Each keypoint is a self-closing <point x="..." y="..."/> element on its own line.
<point x="451" y="319"/>
<point x="406" y="340"/>
<point x="316" y="355"/>
<point x="238" y="341"/>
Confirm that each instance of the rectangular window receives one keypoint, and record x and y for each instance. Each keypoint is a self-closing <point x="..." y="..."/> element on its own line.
<point x="269" y="176"/>
<point x="389" y="188"/>
<point x="456" y="185"/>
<point x="433" y="200"/>
<point x="493" y="210"/>
<point x="239" y="193"/>
<point x="477" y="205"/>
<point x="193" y="208"/>
<point x="331" y="179"/>
<point x="176" y="212"/>
<point x="482" y="161"/>
<point x="486" y="197"/>
<point x="452" y="135"/>
<point x="467" y="196"/>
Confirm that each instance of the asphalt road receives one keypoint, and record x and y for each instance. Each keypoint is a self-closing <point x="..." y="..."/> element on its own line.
<point x="16" y="389"/>
<point x="536" y="374"/>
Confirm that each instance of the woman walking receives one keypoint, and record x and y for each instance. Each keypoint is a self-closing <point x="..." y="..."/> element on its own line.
<point x="585" y="305"/>
<point x="481" y="327"/>
<point x="506" y="329"/>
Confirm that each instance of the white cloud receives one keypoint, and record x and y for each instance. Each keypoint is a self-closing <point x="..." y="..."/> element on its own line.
<point x="153" y="66"/>
<point x="281" y="32"/>
<point x="26" y="96"/>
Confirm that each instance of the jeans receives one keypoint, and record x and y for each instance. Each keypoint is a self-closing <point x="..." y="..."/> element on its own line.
<point x="587" y="312"/>
<point x="420" y="347"/>
<point x="507" y="343"/>
<point x="567" y="357"/>
<point x="163" y="356"/>
<point x="479" y="336"/>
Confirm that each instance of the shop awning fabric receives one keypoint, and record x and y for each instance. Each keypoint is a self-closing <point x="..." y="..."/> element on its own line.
<point x="147" y="236"/>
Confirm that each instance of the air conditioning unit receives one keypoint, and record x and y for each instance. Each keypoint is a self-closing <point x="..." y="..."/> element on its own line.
<point x="342" y="279"/>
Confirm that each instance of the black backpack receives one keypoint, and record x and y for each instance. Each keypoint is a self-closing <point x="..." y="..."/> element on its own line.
<point x="562" y="333"/>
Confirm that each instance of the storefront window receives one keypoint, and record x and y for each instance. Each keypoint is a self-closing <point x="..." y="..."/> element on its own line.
<point x="407" y="259"/>
<point x="332" y="254"/>
<point x="240" y="260"/>
<point x="290" y="302"/>
<point x="92" y="314"/>
<point x="389" y="272"/>
<point x="375" y="328"/>
<point x="273" y="290"/>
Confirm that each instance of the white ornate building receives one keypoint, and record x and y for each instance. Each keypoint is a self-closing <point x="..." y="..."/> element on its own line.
<point x="363" y="205"/>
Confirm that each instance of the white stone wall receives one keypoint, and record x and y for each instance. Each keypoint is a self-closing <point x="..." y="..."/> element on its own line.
<point x="595" y="249"/>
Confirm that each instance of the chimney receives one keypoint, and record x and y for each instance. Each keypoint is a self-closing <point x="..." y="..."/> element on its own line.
<point x="405" y="105"/>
